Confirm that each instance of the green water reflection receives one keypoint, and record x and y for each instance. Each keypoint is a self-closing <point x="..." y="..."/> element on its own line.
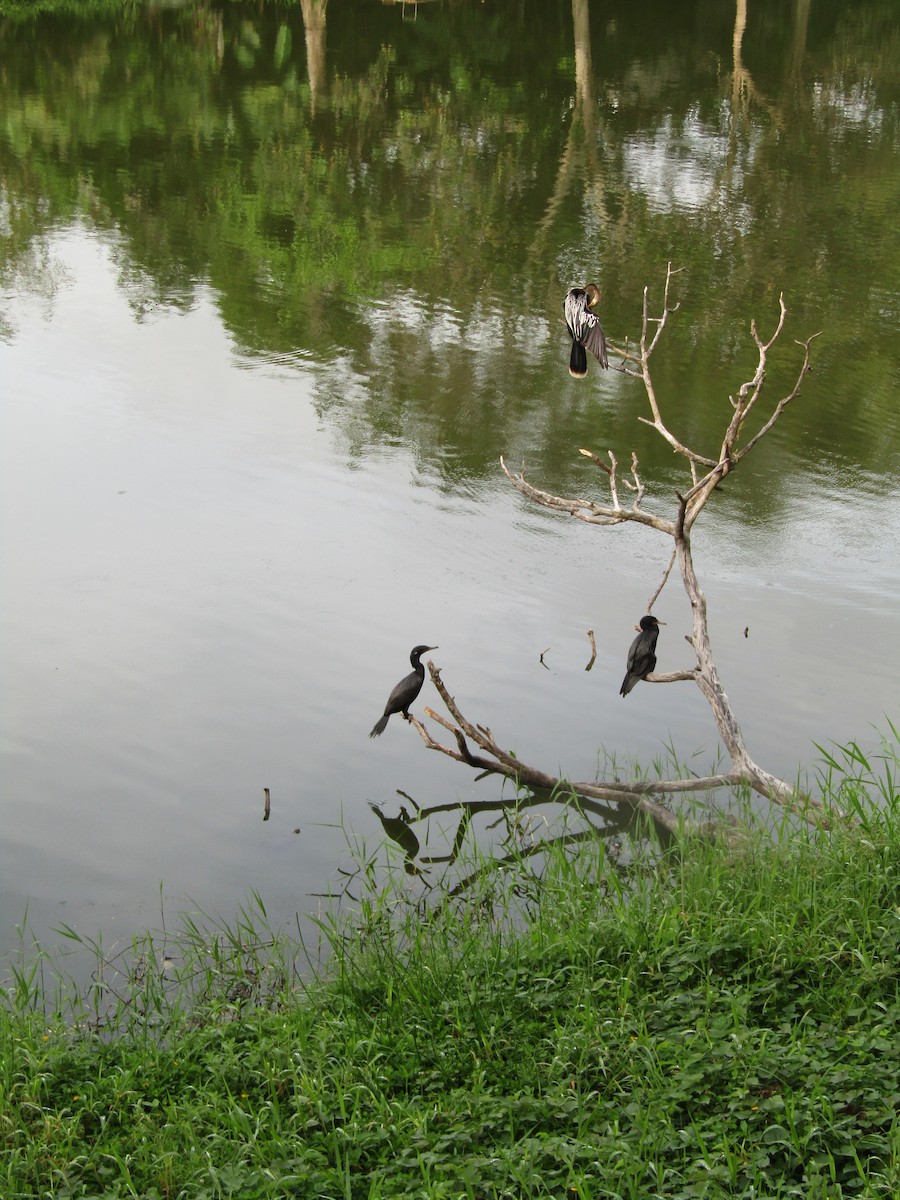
<point x="397" y="195"/>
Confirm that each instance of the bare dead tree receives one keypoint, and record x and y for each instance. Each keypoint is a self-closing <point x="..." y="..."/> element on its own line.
<point x="705" y="475"/>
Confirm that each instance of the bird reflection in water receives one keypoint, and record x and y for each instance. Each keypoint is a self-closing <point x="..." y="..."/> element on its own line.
<point x="398" y="830"/>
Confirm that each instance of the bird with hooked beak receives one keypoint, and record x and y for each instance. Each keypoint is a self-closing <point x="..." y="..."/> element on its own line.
<point x="405" y="692"/>
<point x="641" y="653"/>
<point x="584" y="328"/>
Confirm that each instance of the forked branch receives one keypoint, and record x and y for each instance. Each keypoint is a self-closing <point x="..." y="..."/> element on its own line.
<point x="640" y="794"/>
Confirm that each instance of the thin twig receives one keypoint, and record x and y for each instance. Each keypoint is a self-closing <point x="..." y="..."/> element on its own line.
<point x="585" y="510"/>
<point x="662" y="582"/>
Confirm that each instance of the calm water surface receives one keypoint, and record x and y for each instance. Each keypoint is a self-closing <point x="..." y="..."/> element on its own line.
<point x="279" y="287"/>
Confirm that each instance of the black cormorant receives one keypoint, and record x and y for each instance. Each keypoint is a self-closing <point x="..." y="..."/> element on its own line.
<point x="641" y="654"/>
<point x="584" y="329"/>
<point x="405" y="692"/>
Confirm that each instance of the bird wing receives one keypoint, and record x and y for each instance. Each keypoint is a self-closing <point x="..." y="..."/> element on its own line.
<point x="575" y="308"/>
<point x="642" y="654"/>
<point x="632" y="653"/>
<point x="405" y="692"/>
<point x="594" y="338"/>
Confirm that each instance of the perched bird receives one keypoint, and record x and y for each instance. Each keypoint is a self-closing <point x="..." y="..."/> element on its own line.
<point x="641" y="654"/>
<point x="584" y="329"/>
<point x="405" y="692"/>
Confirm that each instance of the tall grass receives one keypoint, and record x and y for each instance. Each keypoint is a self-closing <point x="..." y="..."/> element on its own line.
<point x="864" y="784"/>
<point x="712" y="1020"/>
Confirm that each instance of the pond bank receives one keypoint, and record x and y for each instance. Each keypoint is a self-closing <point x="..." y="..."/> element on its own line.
<point x="723" y="1025"/>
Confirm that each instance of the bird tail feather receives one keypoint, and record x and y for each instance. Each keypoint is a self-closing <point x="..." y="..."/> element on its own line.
<point x="380" y="725"/>
<point x="578" y="361"/>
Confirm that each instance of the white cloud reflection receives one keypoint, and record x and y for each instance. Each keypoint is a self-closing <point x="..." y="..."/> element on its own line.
<point x="688" y="167"/>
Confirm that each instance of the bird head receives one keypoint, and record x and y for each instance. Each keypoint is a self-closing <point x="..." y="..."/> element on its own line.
<point x="593" y="294"/>
<point x="648" y="622"/>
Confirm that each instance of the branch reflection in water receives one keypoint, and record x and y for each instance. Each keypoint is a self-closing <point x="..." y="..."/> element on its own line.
<point x="524" y="834"/>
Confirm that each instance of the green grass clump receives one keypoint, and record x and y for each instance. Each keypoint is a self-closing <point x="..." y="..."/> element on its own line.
<point x="713" y="1023"/>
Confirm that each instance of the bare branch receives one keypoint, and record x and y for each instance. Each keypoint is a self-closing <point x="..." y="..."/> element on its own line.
<point x="784" y="401"/>
<point x="461" y="754"/>
<point x="659" y="321"/>
<point x="625" y="355"/>
<point x="662" y="583"/>
<point x="595" y="458"/>
<point x="707" y="679"/>
<point x="636" y="795"/>
<point x="646" y="351"/>
<point x="671" y="677"/>
<point x="593" y="658"/>
<point x="750" y="392"/>
<point x="637" y="487"/>
<point x="586" y="510"/>
<point x="706" y="474"/>
<point x="613" y="487"/>
<point x="747" y="396"/>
